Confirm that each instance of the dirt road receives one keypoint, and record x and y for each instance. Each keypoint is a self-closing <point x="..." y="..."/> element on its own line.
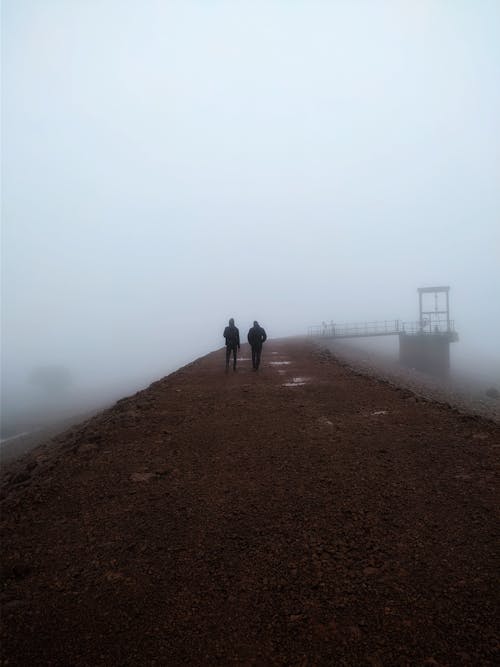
<point x="252" y="519"/>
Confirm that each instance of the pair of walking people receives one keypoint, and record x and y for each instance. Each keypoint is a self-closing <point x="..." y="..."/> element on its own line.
<point x="256" y="337"/>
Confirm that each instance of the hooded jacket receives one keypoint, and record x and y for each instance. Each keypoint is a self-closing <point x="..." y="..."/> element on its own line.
<point x="232" y="336"/>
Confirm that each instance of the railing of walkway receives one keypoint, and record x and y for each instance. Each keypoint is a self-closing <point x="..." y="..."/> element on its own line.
<point x="332" y="330"/>
<point x="379" y="328"/>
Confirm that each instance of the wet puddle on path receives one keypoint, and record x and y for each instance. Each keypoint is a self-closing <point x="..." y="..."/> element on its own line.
<point x="296" y="382"/>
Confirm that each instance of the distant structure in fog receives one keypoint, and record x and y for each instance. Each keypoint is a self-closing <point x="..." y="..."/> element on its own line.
<point x="424" y="345"/>
<point x="53" y="380"/>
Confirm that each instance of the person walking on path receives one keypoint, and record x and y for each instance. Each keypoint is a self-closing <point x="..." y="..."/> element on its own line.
<point x="256" y="337"/>
<point x="232" y="336"/>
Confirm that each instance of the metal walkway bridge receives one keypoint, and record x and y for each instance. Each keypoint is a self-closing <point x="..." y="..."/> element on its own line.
<point x="382" y="328"/>
<point x="424" y="344"/>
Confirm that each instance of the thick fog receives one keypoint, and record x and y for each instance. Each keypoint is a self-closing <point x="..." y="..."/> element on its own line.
<point x="168" y="165"/>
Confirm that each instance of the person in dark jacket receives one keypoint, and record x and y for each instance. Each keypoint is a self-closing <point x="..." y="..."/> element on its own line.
<point x="232" y="336"/>
<point x="256" y="337"/>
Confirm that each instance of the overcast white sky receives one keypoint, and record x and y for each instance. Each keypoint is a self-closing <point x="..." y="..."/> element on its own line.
<point x="169" y="164"/>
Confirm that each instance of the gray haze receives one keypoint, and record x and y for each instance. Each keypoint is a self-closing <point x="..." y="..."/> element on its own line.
<point x="168" y="165"/>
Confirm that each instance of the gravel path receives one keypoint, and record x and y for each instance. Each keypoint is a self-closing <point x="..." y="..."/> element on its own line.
<point x="302" y="515"/>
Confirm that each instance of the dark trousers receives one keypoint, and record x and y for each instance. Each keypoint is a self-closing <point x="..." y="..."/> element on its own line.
<point x="256" y="357"/>
<point x="230" y="349"/>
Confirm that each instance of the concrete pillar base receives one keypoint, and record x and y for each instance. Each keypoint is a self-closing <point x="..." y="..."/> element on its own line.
<point x="429" y="353"/>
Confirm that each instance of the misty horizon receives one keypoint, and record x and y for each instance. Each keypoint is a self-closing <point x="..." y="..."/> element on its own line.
<point x="167" y="166"/>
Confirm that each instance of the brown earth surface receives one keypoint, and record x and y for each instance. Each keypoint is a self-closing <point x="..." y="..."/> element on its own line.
<point x="220" y="519"/>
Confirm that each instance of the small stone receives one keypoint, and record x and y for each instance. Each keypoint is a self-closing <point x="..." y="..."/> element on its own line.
<point x="21" y="477"/>
<point x="141" y="476"/>
<point x="87" y="447"/>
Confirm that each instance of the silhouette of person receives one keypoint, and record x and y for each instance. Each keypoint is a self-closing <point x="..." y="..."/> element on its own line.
<point x="232" y="336"/>
<point x="256" y="337"/>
